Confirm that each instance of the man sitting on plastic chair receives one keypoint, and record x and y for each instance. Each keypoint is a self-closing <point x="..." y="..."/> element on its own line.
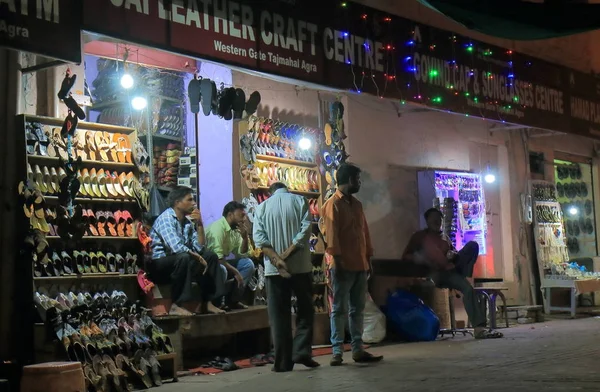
<point x="451" y="268"/>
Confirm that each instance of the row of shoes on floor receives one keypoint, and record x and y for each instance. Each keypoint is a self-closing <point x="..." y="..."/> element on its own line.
<point x="54" y="262"/>
<point x="115" y="340"/>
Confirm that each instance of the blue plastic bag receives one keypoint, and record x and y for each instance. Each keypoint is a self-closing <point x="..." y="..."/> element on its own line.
<point x="410" y="318"/>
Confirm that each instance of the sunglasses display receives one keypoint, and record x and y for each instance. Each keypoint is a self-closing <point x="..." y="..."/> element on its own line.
<point x="460" y="198"/>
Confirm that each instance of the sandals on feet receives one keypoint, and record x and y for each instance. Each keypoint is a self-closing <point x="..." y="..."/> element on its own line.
<point x="488" y="334"/>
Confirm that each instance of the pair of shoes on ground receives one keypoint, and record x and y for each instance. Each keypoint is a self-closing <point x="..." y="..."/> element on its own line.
<point x="360" y="357"/>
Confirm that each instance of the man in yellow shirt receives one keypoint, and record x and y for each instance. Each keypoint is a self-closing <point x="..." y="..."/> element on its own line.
<point x="228" y="237"/>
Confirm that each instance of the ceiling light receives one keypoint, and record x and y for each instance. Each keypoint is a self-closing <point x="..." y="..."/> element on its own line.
<point x="304" y="143"/>
<point x="126" y="81"/>
<point x="139" y="103"/>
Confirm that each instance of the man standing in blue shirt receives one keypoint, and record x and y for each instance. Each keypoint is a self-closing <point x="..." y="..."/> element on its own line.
<point x="179" y="256"/>
<point x="282" y="229"/>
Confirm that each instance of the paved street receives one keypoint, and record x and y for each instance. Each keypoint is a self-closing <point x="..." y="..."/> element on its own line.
<point x="561" y="355"/>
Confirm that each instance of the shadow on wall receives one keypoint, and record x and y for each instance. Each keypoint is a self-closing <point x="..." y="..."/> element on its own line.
<point x="289" y="116"/>
<point x="390" y="199"/>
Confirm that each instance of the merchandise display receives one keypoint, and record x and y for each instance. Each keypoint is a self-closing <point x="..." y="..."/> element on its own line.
<point x="82" y="199"/>
<point x="115" y="340"/>
<point x="166" y="164"/>
<point x="575" y="195"/>
<point x="332" y="151"/>
<point x="549" y="231"/>
<point x="461" y="199"/>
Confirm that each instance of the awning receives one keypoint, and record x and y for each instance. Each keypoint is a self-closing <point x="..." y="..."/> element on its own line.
<point x="520" y="19"/>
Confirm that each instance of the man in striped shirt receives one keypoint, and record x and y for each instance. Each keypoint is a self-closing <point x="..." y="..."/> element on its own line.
<point x="282" y="228"/>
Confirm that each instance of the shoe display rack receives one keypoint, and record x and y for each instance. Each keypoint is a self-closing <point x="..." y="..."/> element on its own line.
<point x="83" y="249"/>
<point x="162" y="126"/>
<point x="574" y="192"/>
<point x="269" y="152"/>
<point x="549" y="234"/>
<point x="556" y="272"/>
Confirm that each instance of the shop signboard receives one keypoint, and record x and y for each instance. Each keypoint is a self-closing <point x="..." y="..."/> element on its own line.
<point x="353" y="47"/>
<point x="50" y="28"/>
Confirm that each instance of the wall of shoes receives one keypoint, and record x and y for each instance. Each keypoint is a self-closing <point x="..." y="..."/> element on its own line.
<point x="276" y="151"/>
<point x="82" y="200"/>
<point x="161" y="129"/>
<point x="575" y="194"/>
<point x="548" y="228"/>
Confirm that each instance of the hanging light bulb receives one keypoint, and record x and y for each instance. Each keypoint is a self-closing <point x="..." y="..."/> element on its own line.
<point x="304" y="143"/>
<point x="489" y="177"/>
<point x="127" y="81"/>
<point x="573" y="210"/>
<point x="139" y="103"/>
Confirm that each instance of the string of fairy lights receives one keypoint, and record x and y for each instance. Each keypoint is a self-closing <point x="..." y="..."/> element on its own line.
<point x="401" y="71"/>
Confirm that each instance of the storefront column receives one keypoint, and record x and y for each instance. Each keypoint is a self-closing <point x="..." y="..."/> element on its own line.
<point x="10" y="245"/>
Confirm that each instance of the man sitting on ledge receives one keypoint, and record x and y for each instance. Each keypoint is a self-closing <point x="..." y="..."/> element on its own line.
<point x="179" y="256"/>
<point x="229" y="236"/>
<point x="450" y="268"/>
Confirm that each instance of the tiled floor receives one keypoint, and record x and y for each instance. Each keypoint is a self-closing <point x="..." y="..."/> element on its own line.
<point x="562" y="355"/>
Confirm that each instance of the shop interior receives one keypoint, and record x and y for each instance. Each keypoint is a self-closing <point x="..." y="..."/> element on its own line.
<point x="96" y="179"/>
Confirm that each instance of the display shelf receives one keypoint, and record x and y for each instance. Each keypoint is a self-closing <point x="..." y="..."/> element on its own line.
<point x="302" y="193"/>
<point x="287" y="161"/>
<point x="98" y="238"/>
<point x="92" y="200"/>
<point x="88" y="126"/>
<point x="164" y="137"/>
<point x="107" y="275"/>
<point x="86" y="162"/>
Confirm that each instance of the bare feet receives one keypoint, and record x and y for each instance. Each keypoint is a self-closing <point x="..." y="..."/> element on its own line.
<point x="238" y="305"/>
<point x="282" y="268"/>
<point x="179" y="311"/>
<point x="212" y="309"/>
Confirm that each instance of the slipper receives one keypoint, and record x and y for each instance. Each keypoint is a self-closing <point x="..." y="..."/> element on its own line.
<point x="194" y="95"/>
<point x="225" y="103"/>
<point x="206" y="91"/>
<point x="69" y="126"/>
<point x="66" y="85"/>
<point x="239" y="103"/>
<point x="252" y="103"/>
<point x="328" y="131"/>
<point x="74" y="107"/>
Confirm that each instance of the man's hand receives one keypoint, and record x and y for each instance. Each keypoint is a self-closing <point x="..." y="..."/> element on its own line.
<point x="196" y="217"/>
<point x="243" y="228"/>
<point x="201" y="260"/>
<point x="238" y="278"/>
<point x="281" y="267"/>
<point x="288" y="252"/>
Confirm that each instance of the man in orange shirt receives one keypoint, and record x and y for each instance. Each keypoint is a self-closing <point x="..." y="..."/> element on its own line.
<point x="349" y="244"/>
<point x="451" y="269"/>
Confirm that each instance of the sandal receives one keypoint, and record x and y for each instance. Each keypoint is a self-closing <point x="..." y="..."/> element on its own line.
<point x="488" y="334"/>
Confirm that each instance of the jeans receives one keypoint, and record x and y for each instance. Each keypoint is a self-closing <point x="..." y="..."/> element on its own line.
<point x="349" y="297"/>
<point x="181" y="270"/>
<point x="466" y="258"/>
<point x="245" y="267"/>
<point x="290" y="349"/>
